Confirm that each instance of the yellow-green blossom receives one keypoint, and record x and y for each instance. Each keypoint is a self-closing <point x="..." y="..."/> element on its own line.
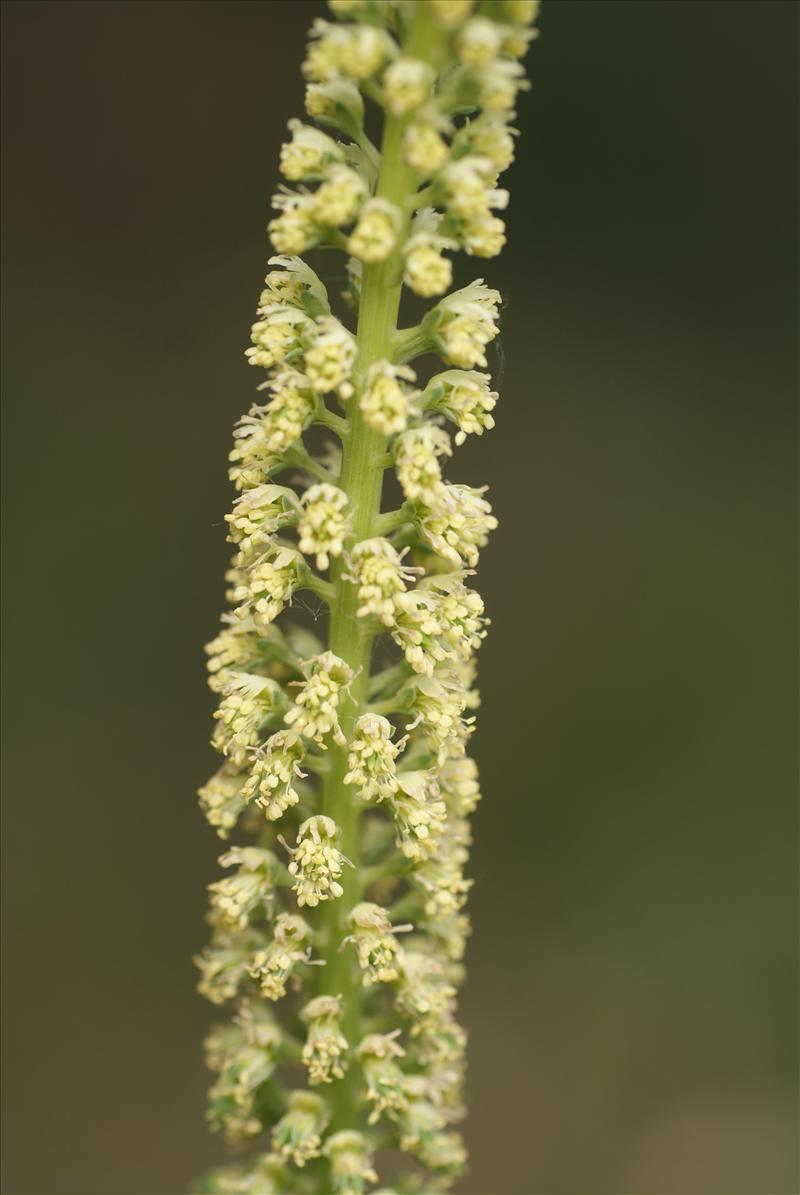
<point x="351" y="1163"/>
<point x="274" y="772"/>
<point x="324" y="1052"/>
<point x="317" y="863"/>
<point x="377" y="949"/>
<point x="378" y="1055"/>
<point x="298" y="1135"/>
<point x="345" y="775"/>
<point x="274" y="964"/>
<point x="324" y="523"/>
<point x="371" y="758"/>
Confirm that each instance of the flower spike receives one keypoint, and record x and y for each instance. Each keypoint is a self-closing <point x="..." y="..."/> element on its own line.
<point x="338" y="929"/>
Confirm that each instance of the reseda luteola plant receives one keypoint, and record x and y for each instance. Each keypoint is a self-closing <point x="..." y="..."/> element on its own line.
<point x="338" y="930"/>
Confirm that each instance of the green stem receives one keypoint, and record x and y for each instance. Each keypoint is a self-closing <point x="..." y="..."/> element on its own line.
<point x="297" y="458"/>
<point x="410" y="343"/>
<point x="362" y="481"/>
<point x="331" y="420"/>
<point x="386" y="523"/>
<point x="323" y="589"/>
<point x="383" y="680"/>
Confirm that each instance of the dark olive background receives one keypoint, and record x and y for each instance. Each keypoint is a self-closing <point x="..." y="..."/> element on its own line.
<point x="632" y="991"/>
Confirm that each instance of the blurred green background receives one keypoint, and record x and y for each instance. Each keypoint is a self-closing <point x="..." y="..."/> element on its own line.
<point x="632" y="998"/>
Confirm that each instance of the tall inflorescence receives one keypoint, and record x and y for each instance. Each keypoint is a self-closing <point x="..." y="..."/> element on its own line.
<point x="338" y="926"/>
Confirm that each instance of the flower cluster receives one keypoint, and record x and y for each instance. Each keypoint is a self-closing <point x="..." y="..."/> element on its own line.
<point x="297" y="1135"/>
<point x="316" y="862"/>
<point x="376" y="946"/>
<point x="326" y="1047"/>
<point x="323" y="525"/>
<point x="371" y="760"/>
<point x="264" y="436"/>
<point x="351" y="1162"/>
<point x="236" y="897"/>
<point x="385" y="402"/>
<point x="245" y="708"/>
<point x="267" y="586"/>
<point x="339" y="926"/>
<point x="380" y="577"/>
<point x="457" y="523"/>
<point x="274" y="965"/>
<point x="244" y="1055"/>
<point x="315" y="713"/>
<point x="276" y="767"/>
<point x="464" y="397"/>
<point x="378" y="1055"/>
